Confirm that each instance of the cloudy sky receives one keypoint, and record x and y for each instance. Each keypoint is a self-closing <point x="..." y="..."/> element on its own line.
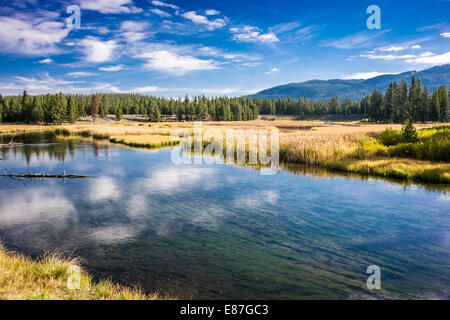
<point x="233" y="47"/>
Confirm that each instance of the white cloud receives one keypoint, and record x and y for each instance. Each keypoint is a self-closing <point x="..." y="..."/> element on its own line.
<point x="132" y="31"/>
<point x="161" y="13"/>
<point x="357" y="40"/>
<point x="163" y="4"/>
<point x="31" y="36"/>
<point x="202" y="20"/>
<point x="47" y="84"/>
<point x="119" y="67"/>
<point x="96" y="50"/>
<point x="133" y="36"/>
<point x="364" y="75"/>
<point x="416" y="47"/>
<point x="212" y="12"/>
<point x="133" y="26"/>
<point x="272" y="71"/>
<point x="46" y="61"/>
<point x="431" y="59"/>
<point x="285" y="27"/>
<point x="79" y="74"/>
<point x="145" y="89"/>
<point x="386" y="56"/>
<point x="428" y="58"/>
<point x="174" y="63"/>
<point x="392" y="49"/>
<point x="252" y="34"/>
<point x="110" y="6"/>
<point x="445" y="35"/>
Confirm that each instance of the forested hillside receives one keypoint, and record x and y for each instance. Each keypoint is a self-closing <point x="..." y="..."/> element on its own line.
<point x="398" y="104"/>
<point x="356" y="89"/>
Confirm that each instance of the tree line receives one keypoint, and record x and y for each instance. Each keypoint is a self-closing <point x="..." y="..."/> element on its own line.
<point x="397" y="105"/>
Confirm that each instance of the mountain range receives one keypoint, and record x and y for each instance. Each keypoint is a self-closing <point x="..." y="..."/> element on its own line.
<point x="356" y="89"/>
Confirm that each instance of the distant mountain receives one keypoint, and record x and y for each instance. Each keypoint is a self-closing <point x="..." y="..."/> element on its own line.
<point x="356" y="89"/>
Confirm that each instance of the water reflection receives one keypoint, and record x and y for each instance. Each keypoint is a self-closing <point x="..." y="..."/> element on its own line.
<point x="226" y="232"/>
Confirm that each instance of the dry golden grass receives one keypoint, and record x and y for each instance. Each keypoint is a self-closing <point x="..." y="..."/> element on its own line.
<point x="22" y="278"/>
<point x="312" y="148"/>
<point x="21" y="128"/>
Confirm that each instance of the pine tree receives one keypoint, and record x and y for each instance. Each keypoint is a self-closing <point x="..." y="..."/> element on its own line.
<point x="72" y="115"/>
<point x="154" y="113"/>
<point x="443" y="103"/>
<point x="203" y="111"/>
<point x="426" y="112"/>
<point x="1" y="109"/>
<point x="119" y="113"/>
<point x="389" y="103"/>
<point x="409" y="133"/>
<point x="94" y="107"/>
<point x="376" y="104"/>
<point x="35" y="114"/>
<point x="435" y="107"/>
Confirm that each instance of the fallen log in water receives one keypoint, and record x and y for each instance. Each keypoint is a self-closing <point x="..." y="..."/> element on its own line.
<point x="11" y="145"/>
<point x="43" y="175"/>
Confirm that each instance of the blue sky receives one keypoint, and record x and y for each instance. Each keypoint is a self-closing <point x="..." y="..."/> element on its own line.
<point x="173" y="48"/>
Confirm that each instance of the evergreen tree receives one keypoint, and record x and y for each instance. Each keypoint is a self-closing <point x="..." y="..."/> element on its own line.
<point x="1" y="108"/>
<point x="409" y="133"/>
<point x="443" y="103"/>
<point x="203" y="111"/>
<point x="72" y="115"/>
<point x="94" y="107"/>
<point x="435" y="107"/>
<point x="376" y="104"/>
<point x="154" y="113"/>
<point x="119" y="113"/>
<point x="426" y="111"/>
<point x="390" y="103"/>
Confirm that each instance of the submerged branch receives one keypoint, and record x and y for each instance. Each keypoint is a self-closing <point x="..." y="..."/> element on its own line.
<point x="11" y="144"/>
<point x="43" y="175"/>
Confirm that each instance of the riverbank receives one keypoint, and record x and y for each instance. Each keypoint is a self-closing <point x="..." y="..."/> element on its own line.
<point x="22" y="278"/>
<point x="334" y="146"/>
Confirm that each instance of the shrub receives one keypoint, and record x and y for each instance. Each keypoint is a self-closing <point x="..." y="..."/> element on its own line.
<point x="404" y="150"/>
<point x="434" y="149"/>
<point x="390" y="137"/>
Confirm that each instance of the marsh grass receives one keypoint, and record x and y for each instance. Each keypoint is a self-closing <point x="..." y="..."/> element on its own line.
<point x="148" y="141"/>
<point x="22" y="278"/>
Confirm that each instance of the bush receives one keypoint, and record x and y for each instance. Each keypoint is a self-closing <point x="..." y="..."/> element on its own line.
<point x="434" y="149"/>
<point x="404" y="150"/>
<point x="390" y="137"/>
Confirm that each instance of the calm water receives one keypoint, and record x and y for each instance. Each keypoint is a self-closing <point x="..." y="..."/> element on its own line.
<point x="225" y="232"/>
